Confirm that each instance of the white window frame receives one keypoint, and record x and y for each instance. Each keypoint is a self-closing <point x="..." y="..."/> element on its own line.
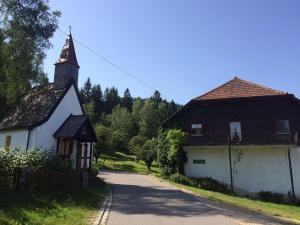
<point x="196" y="126"/>
<point x="235" y="124"/>
<point x="288" y="125"/>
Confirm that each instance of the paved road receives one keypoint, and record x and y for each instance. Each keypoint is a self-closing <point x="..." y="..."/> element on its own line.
<point x="143" y="200"/>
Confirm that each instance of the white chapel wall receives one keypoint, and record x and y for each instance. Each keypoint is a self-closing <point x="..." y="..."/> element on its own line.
<point x="42" y="136"/>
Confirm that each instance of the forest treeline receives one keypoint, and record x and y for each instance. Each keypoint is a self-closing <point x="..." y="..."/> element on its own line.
<point x="122" y="120"/>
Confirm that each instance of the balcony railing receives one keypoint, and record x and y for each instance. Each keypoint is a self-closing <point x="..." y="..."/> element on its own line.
<point x="248" y="138"/>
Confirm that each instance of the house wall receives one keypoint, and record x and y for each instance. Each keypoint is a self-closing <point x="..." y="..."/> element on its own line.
<point x="258" y="118"/>
<point x="18" y="137"/>
<point x="42" y="136"/>
<point x="261" y="168"/>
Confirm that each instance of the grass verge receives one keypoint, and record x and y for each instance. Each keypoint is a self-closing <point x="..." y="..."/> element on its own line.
<point x="126" y="163"/>
<point x="273" y="209"/>
<point x="65" y="207"/>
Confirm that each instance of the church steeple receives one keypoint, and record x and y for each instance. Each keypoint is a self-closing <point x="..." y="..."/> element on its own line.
<point x="66" y="66"/>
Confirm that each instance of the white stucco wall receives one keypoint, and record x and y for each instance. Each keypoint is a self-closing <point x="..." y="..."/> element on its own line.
<point x="262" y="168"/>
<point x="42" y="136"/>
<point x="18" y="138"/>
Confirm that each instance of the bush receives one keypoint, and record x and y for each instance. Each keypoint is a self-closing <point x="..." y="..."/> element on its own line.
<point x="180" y="179"/>
<point x="36" y="159"/>
<point x="211" y="184"/>
<point x="206" y="183"/>
<point x="135" y="145"/>
<point x="269" y="196"/>
<point x="148" y="153"/>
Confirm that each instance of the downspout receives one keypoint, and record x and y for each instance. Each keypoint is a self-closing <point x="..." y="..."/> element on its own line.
<point x="230" y="163"/>
<point x="291" y="176"/>
<point x="28" y="139"/>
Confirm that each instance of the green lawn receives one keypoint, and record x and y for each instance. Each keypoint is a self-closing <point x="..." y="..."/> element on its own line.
<point x="281" y="210"/>
<point x="66" y="207"/>
<point x="122" y="162"/>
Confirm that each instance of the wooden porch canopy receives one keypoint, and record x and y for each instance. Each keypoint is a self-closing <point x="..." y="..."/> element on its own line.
<point x="77" y="127"/>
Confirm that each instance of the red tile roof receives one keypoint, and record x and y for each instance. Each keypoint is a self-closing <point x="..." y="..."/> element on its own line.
<point x="68" y="53"/>
<point x="238" y="88"/>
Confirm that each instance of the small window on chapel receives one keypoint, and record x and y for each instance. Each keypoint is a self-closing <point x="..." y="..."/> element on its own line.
<point x="197" y="130"/>
<point x="7" y="141"/>
<point x="282" y="127"/>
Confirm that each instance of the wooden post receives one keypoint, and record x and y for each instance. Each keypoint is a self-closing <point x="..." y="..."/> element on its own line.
<point x="230" y="163"/>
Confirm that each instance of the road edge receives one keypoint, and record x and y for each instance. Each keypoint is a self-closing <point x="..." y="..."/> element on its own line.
<point x="105" y="208"/>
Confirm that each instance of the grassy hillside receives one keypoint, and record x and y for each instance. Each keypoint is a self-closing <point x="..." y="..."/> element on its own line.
<point x="122" y="162"/>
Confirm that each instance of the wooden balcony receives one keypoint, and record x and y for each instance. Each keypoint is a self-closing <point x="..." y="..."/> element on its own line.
<point x="248" y="138"/>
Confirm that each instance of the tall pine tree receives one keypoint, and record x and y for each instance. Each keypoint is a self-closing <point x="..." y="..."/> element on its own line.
<point x="127" y="100"/>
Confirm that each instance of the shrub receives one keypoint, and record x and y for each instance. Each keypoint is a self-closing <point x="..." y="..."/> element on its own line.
<point x="206" y="183"/>
<point x="176" y="139"/>
<point x="36" y="159"/>
<point x="148" y="153"/>
<point x="211" y="184"/>
<point x="180" y="179"/>
<point x="269" y="196"/>
<point x="135" y="145"/>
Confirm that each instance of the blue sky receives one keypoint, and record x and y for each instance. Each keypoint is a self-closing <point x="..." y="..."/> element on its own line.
<point x="183" y="48"/>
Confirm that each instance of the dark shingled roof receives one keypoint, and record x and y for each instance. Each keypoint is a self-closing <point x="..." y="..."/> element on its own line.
<point x="34" y="108"/>
<point x="71" y="126"/>
<point x="78" y="127"/>
<point x="68" y="53"/>
<point x="238" y="88"/>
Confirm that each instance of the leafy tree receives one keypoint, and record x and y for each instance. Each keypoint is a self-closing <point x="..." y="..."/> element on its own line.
<point x="135" y="145"/>
<point x="86" y="91"/>
<point x="112" y="99"/>
<point x="26" y="28"/>
<point x="89" y="109"/>
<point x="149" y="119"/>
<point x="137" y="106"/>
<point x="163" y="111"/>
<point x="105" y="141"/>
<point x="127" y="100"/>
<point x="123" y="122"/>
<point x="148" y="153"/>
<point x="162" y="148"/>
<point x="176" y="139"/>
<point x="172" y="108"/>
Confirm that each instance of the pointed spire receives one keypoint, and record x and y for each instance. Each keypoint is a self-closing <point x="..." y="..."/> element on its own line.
<point x="68" y="52"/>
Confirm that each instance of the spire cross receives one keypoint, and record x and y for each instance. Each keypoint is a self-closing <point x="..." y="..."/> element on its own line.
<point x="70" y="28"/>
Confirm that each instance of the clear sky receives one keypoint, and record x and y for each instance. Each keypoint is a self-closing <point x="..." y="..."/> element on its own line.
<point x="183" y="48"/>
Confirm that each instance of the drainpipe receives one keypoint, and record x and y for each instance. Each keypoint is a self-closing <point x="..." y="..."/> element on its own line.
<point x="230" y="163"/>
<point x="28" y="139"/>
<point x="291" y="176"/>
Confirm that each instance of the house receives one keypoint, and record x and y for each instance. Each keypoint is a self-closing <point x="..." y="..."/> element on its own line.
<point x="51" y="117"/>
<point x="245" y="135"/>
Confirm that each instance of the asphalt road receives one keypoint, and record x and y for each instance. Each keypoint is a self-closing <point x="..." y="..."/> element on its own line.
<point x="143" y="200"/>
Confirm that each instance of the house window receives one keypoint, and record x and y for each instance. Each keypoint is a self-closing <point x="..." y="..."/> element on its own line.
<point x="282" y="127"/>
<point x="199" y="161"/>
<point x="65" y="147"/>
<point x="235" y="131"/>
<point x="197" y="130"/>
<point x="7" y="141"/>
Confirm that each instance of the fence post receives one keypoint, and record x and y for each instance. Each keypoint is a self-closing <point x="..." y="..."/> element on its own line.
<point x="84" y="179"/>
